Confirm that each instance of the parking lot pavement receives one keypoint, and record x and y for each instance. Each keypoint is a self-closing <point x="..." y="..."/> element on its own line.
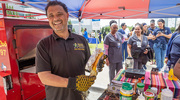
<point x="101" y="82"/>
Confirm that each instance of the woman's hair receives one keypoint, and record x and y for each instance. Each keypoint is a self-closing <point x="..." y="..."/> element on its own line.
<point x="162" y="20"/>
<point x="144" y="31"/>
<point x="111" y="22"/>
<point x="137" y="24"/>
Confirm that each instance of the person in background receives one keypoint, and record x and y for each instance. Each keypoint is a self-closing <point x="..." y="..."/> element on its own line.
<point x="173" y="49"/>
<point x="151" y="30"/>
<point x="93" y="34"/>
<point x="99" y="34"/>
<point x="161" y="35"/>
<point x="113" y="48"/>
<point x="137" y="45"/>
<point x="124" y="45"/>
<point x="61" y="58"/>
<point x="177" y="69"/>
<point x="85" y="34"/>
<point x="104" y="35"/>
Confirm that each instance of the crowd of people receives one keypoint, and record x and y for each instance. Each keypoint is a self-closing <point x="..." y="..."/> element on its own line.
<point x="142" y="39"/>
<point x="62" y="56"/>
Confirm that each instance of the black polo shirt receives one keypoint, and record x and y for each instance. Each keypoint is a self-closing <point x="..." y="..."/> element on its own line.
<point x="65" y="58"/>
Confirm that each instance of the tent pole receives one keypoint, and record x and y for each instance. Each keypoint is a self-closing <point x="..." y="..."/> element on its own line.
<point x="80" y="27"/>
<point x="119" y="23"/>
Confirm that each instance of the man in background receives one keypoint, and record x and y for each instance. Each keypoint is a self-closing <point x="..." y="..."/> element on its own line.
<point x="85" y="34"/>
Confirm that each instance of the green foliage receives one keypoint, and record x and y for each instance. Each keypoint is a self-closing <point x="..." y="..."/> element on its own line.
<point x="73" y="30"/>
<point x="69" y="22"/>
<point x="30" y="15"/>
<point x="102" y="30"/>
<point x="11" y="12"/>
<point x="130" y="27"/>
<point x="172" y="29"/>
<point x="93" y="46"/>
<point x="105" y="29"/>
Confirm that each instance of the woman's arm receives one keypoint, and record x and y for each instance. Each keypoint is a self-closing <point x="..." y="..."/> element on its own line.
<point x="129" y="50"/>
<point x="167" y="36"/>
<point x="177" y="69"/>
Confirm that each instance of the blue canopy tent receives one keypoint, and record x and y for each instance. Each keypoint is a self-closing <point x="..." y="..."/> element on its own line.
<point x="113" y="9"/>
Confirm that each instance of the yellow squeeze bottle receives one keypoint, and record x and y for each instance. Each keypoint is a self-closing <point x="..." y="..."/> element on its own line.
<point x="171" y="74"/>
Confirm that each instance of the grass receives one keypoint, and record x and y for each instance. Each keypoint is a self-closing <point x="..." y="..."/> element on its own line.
<point x="93" y="46"/>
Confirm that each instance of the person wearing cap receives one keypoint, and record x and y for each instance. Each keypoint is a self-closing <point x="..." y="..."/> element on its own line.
<point x="61" y="58"/>
<point x="125" y="33"/>
<point x="113" y="48"/>
<point x="151" y="30"/>
<point x="162" y="34"/>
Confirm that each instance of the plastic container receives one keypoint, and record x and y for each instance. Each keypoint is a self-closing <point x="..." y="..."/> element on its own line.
<point x="140" y="87"/>
<point x="141" y="97"/>
<point x="166" y="94"/>
<point x="126" y="92"/>
<point x="154" y="90"/>
<point x="149" y="95"/>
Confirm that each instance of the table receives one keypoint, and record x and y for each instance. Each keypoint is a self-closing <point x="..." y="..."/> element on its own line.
<point x="160" y="82"/>
<point x="93" y="40"/>
<point x="157" y="81"/>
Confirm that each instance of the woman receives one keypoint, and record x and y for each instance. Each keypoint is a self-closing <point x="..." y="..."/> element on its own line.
<point x="113" y="48"/>
<point x="173" y="49"/>
<point x="137" y="45"/>
<point x="162" y="34"/>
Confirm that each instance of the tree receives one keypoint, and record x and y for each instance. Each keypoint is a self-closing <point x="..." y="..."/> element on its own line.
<point x="69" y="22"/>
<point x="11" y="12"/>
<point x="30" y="15"/>
<point x="73" y="30"/>
<point x="172" y="29"/>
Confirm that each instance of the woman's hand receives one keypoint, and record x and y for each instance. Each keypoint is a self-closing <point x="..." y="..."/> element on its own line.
<point x="166" y="60"/>
<point x="146" y="51"/>
<point x="107" y="62"/>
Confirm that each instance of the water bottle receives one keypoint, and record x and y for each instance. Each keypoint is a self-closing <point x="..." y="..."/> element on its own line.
<point x="166" y="71"/>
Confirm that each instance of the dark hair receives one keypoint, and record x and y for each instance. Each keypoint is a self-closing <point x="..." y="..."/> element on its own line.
<point x="123" y="24"/>
<point x="137" y="24"/>
<point x="152" y="21"/>
<point x="54" y="3"/>
<point x="111" y="22"/>
<point x="144" y="24"/>
<point x="132" y="29"/>
<point x="162" y="20"/>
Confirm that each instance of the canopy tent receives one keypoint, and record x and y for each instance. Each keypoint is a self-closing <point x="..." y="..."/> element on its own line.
<point x="113" y="9"/>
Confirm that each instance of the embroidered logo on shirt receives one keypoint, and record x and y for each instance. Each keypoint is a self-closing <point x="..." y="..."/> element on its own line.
<point x="78" y="46"/>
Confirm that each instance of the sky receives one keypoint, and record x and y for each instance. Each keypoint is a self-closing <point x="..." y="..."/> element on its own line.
<point x="132" y="22"/>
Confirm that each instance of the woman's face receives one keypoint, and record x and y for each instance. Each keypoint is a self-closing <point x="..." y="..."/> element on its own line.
<point x="114" y="28"/>
<point x="137" y="29"/>
<point x="145" y="27"/>
<point x="160" y="24"/>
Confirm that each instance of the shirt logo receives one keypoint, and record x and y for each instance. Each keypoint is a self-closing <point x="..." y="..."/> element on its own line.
<point x="78" y="46"/>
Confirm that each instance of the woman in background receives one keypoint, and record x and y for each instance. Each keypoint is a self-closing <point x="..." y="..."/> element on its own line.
<point x="137" y="45"/>
<point x="113" y="48"/>
<point x="162" y="34"/>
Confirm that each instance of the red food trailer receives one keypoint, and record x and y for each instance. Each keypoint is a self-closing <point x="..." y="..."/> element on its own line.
<point x="18" y="40"/>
